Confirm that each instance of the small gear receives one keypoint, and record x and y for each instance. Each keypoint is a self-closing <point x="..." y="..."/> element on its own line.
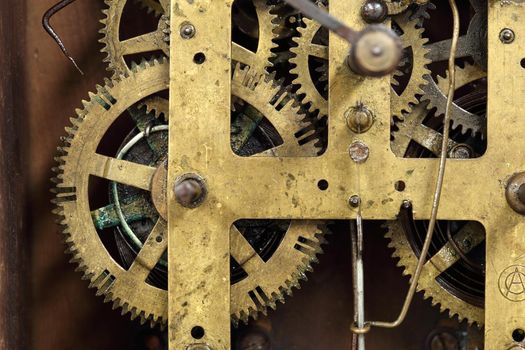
<point x="158" y="40"/>
<point x="312" y="51"/>
<point x="134" y="285"/>
<point x="434" y="94"/>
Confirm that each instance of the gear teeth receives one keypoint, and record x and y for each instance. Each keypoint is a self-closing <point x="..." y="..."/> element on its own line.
<point x="306" y="90"/>
<point x="103" y="282"/>
<point x="280" y="96"/>
<point x="466" y="123"/>
<point x="408" y="261"/>
<point x="412" y="39"/>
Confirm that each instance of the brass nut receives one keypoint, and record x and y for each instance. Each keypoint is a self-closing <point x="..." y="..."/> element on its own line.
<point x="359" y="119"/>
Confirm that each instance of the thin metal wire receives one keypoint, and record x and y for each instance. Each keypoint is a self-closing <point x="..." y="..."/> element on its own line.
<point x="439" y="183"/>
<point x="46" y="19"/>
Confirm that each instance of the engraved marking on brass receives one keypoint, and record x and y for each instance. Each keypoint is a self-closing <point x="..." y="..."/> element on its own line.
<point x="512" y="283"/>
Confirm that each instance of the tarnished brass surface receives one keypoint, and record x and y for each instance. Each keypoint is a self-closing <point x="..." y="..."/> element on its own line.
<point x="201" y="238"/>
<point x="199" y="246"/>
<point x="483" y="201"/>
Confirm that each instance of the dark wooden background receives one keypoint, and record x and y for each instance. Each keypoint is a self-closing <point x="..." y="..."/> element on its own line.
<point x="43" y="303"/>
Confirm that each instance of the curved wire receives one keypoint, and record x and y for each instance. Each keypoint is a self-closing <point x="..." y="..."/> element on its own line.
<point x="439" y="183"/>
<point x="46" y="19"/>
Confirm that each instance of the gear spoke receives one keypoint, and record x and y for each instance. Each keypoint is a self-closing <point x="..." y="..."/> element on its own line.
<point x="151" y="252"/>
<point x="428" y="138"/>
<point x="142" y="43"/>
<point x="122" y="171"/>
<point x="468" y="237"/>
<point x="243" y="252"/>
<point x="317" y="50"/>
<point x="242" y="54"/>
<point x="107" y="217"/>
<point x="439" y="51"/>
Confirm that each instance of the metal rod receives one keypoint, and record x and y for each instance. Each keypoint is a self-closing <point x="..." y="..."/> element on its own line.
<point x="330" y="22"/>
<point x="46" y="19"/>
<point x="358" y="275"/>
<point x="438" y="189"/>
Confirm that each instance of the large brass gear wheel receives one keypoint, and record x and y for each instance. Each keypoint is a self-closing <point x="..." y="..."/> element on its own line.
<point x="310" y="63"/>
<point x="265" y="280"/>
<point x="450" y="277"/>
<point x="117" y="49"/>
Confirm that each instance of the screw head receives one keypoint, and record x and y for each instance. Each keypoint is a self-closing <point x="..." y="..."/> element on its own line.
<point x="374" y="11"/>
<point x="354" y="201"/>
<point x="359" y="152"/>
<point x="407" y="204"/>
<point x="187" y="30"/>
<point x="190" y="190"/>
<point x="461" y="151"/>
<point x="507" y="36"/>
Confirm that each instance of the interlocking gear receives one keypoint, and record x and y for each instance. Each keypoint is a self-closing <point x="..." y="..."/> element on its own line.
<point x="117" y="50"/>
<point x="263" y="269"/>
<point x="312" y="51"/>
<point x="454" y="273"/>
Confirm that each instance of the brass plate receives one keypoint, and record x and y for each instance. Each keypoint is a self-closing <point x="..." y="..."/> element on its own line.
<point x="287" y="188"/>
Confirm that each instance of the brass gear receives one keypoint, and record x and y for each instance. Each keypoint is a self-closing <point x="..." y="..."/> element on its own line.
<point x="158" y="40"/>
<point x="428" y="282"/>
<point x="310" y="45"/>
<point x="266" y="281"/>
<point x="435" y="94"/>
<point x="413" y="129"/>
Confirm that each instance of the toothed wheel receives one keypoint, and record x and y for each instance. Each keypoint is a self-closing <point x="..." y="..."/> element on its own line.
<point x="310" y="65"/>
<point x="453" y="276"/>
<point x="255" y="53"/>
<point x="269" y="257"/>
<point x="454" y="273"/>
<point x="436" y="95"/>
